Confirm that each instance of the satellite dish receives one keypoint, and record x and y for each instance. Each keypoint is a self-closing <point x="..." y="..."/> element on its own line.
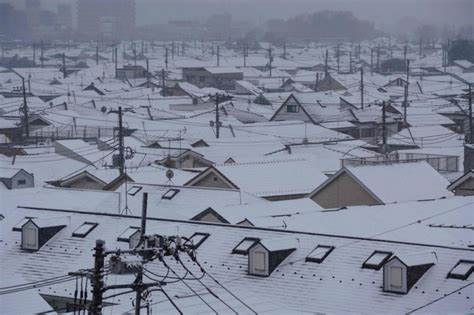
<point x="103" y="109"/>
<point x="169" y="174"/>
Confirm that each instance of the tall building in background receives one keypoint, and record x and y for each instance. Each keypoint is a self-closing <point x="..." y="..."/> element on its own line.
<point x="106" y="19"/>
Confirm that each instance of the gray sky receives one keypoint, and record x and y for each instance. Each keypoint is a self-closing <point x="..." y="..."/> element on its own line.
<point x="385" y="13"/>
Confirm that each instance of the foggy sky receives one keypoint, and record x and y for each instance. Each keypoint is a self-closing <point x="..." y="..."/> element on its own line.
<point x="384" y="13"/>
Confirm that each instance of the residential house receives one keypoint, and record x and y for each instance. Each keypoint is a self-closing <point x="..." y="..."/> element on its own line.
<point x="222" y="78"/>
<point x="16" y="178"/>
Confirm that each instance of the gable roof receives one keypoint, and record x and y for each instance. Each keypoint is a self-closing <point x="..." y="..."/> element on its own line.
<point x="396" y="182"/>
<point x="461" y="180"/>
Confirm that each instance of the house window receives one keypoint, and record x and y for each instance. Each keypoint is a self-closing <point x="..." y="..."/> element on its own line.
<point x="170" y="194"/>
<point x="259" y="261"/>
<point x="21" y="182"/>
<point x="376" y="260"/>
<point x="17" y="227"/>
<point x="319" y="254"/>
<point x="243" y="247"/>
<point x="197" y="239"/>
<point x="292" y="108"/>
<point x="31" y="239"/>
<point x="367" y="132"/>
<point x="462" y="270"/>
<point x="83" y="230"/>
<point x="396" y="277"/>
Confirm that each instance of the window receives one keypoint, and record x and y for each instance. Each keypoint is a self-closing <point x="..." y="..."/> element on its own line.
<point x="376" y="260"/>
<point x="319" y="254"/>
<point x="170" y="194"/>
<point x="31" y="239"/>
<point x="292" y="108"/>
<point x="243" y="247"/>
<point x="396" y="277"/>
<point x="462" y="270"/>
<point x="259" y="261"/>
<point x="197" y="239"/>
<point x="17" y="227"/>
<point x="84" y="229"/>
<point x="125" y="236"/>
<point x="367" y="132"/>
<point x="134" y="190"/>
<point x="21" y="182"/>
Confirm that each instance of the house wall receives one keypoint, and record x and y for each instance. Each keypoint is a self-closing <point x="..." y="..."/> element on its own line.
<point x="29" y="181"/>
<point x="251" y="268"/>
<point x="466" y="188"/>
<point x="209" y="217"/>
<point x="86" y="183"/>
<point x="201" y="78"/>
<point x="343" y="191"/>
<point x="212" y="180"/>
<point x="283" y="114"/>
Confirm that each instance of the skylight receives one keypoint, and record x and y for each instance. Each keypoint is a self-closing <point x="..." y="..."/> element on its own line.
<point x="319" y="254"/>
<point x="134" y="190"/>
<point x="243" y="247"/>
<point x="376" y="260"/>
<point x="17" y="227"/>
<point x="84" y="229"/>
<point x="125" y="236"/>
<point x="197" y="239"/>
<point x="462" y="270"/>
<point x="170" y="194"/>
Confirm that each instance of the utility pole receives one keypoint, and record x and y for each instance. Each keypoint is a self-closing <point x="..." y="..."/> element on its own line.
<point x="97" y="54"/>
<point x="163" y="81"/>
<point x="371" y="61"/>
<point x="361" y="87"/>
<point x="405" y="101"/>
<point x="166" y="58"/>
<point x="135" y="56"/>
<point x="147" y="71"/>
<point x="116" y="57"/>
<point x="270" y="58"/>
<point x="350" y="61"/>
<point x="97" y="279"/>
<point x="3" y="54"/>
<point x="405" y="53"/>
<point x="25" y="110"/>
<point x="378" y="58"/>
<point x="337" y="51"/>
<point x="120" y="136"/>
<point x="139" y="278"/>
<point x="384" y="129"/>
<point x="326" y="70"/>
<point x="64" y="66"/>
<point x="471" y="130"/>
<point x="245" y="55"/>
<point x="217" y="116"/>
<point x="284" y="51"/>
<point x="421" y="47"/>
<point x="172" y="50"/>
<point x="34" y="53"/>
<point x="317" y="82"/>
<point x="42" y="54"/>
<point x="218" y="55"/>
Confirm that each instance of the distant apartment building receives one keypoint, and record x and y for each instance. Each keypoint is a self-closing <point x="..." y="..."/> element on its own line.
<point x="105" y="19"/>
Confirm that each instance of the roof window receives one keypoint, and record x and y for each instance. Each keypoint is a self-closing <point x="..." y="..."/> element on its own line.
<point x="84" y="229"/>
<point x="376" y="260"/>
<point x="170" y="194"/>
<point x="197" y="239"/>
<point x="134" y="190"/>
<point x="319" y="254"/>
<point x="462" y="270"/>
<point x="125" y="236"/>
<point x="243" y="247"/>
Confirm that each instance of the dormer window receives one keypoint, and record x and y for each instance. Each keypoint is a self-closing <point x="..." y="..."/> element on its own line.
<point x="401" y="273"/>
<point x="264" y="256"/>
<point x="84" y="229"/>
<point x="376" y="260"/>
<point x="462" y="270"/>
<point x="17" y="227"/>
<point x="170" y="194"/>
<point x="197" y="239"/>
<point x="319" y="254"/>
<point x="292" y="108"/>
<point x="37" y="232"/>
<point x="243" y="247"/>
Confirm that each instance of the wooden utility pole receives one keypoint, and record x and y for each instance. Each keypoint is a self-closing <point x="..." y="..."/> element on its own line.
<point x="42" y="54"/>
<point x="217" y="116"/>
<point x="405" y="101"/>
<point x="471" y="130"/>
<point x="163" y="81"/>
<point x="139" y="279"/>
<point x="97" y="54"/>
<point x="270" y="58"/>
<point x="421" y="47"/>
<point x="116" y="62"/>
<point x="218" y="55"/>
<point x="405" y="53"/>
<point x="147" y="71"/>
<point x="361" y="87"/>
<point x="317" y="82"/>
<point x="97" y="282"/>
<point x="384" y="129"/>
<point x="326" y="70"/>
<point x="350" y="61"/>
<point x="166" y="58"/>
<point x="337" y="51"/>
<point x="34" y="53"/>
<point x="378" y="58"/>
<point x="284" y="51"/>
<point x="25" y="111"/>
<point x="371" y="61"/>
<point x="245" y="55"/>
<point x="64" y="65"/>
